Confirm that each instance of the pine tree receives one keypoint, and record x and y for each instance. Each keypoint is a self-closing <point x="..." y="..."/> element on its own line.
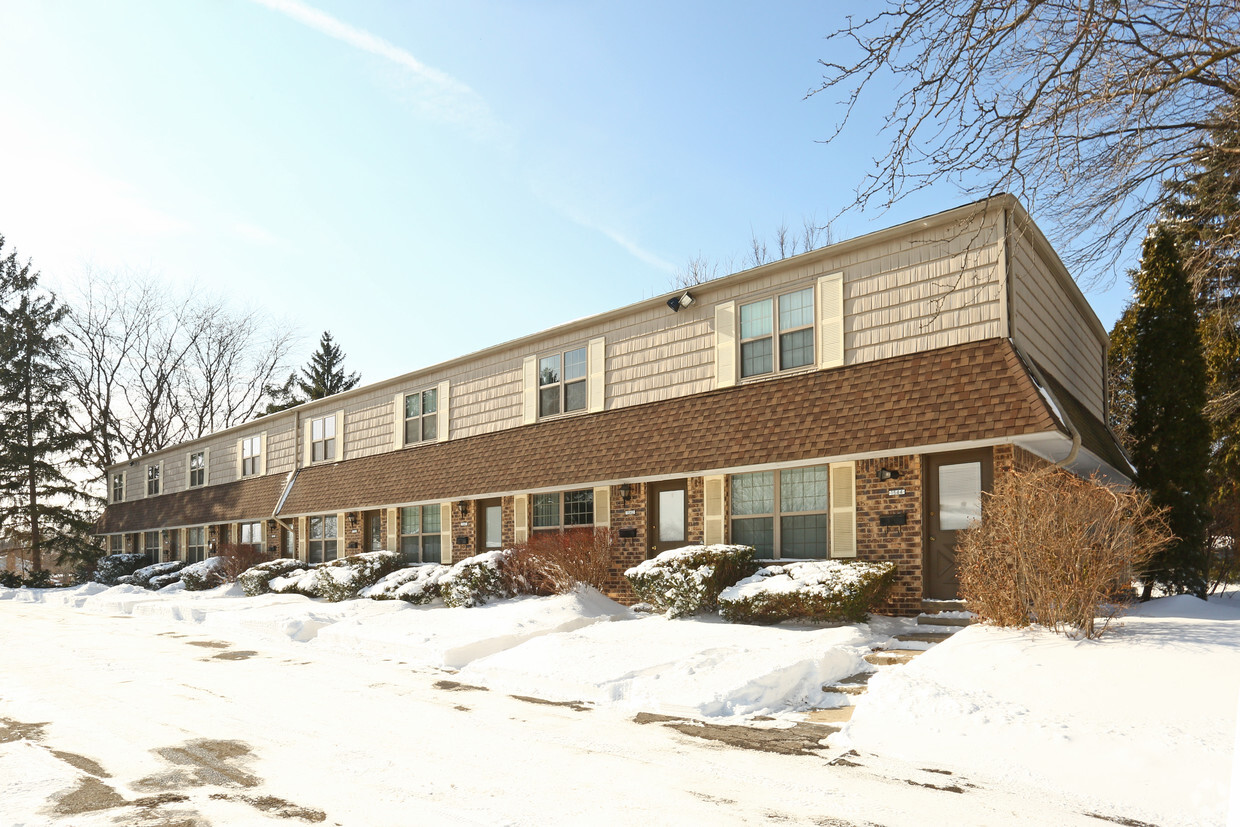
<point x="38" y="502"/>
<point x="1170" y="436"/>
<point x="324" y="376"/>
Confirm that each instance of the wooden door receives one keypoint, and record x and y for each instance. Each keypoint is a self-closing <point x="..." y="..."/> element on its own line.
<point x="953" y="499"/>
<point x="667" y="515"/>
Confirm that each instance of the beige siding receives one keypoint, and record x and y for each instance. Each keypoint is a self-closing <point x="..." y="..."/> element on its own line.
<point x="1052" y="328"/>
<point x="281" y="447"/>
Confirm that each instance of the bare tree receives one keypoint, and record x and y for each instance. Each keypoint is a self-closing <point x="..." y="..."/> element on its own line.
<point x="149" y="369"/>
<point x="757" y="251"/>
<point x="1082" y="109"/>
<point x="700" y="268"/>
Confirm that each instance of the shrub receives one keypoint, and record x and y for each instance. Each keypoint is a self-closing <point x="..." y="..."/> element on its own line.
<point x="117" y="565"/>
<point x="41" y="579"/>
<point x="145" y="575"/>
<point x="688" y="580"/>
<point x="417" y="584"/>
<point x="1057" y="549"/>
<point x="11" y="580"/>
<point x="254" y="580"/>
<point x="343" y="578"/>
<point x="239" y="558"/>
<point x="821" y="590"/>
<point x="160" y="581"/>
<point x="475" y="580"/>
<point x="204" y="575"/>
<point x="556" y="563"/>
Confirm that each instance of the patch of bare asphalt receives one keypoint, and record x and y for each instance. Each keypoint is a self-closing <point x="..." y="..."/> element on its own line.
<point x="577" y="706"/>
<point x="11" y="730"/>
<point x="800" y="739"/>
<point x="240" y="654"/>
<point x="460" y="708"/>
<point x="278" y="807"/>
<point x="1127" y="822"/>
<point x="456" y="686"/>
<point x="81" y="762"/>
<point x="89" y="795"/>
<point x="947" y="788"/>
<point x="209" y="644"/>
<point x="203" y="762"/>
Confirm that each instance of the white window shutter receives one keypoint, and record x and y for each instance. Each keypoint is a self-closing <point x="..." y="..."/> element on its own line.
<point x="843" y="509"/>
<point x="529" y="390"/>
<point x="262" y="452"/>
<point x="341" y="551"/>
<point x="339" y="435"/>
<point x="602" y="506"/>
<point x="398" y="422"/>
<point x="445" y="420"/>
<point x="240" y="443"/>
<point x="393" y="530"/>
<point x="712" y="524"/>
<point x="725" y="345"/>
<point x="303" y="537"/>
<point x="305" y="446"/>
<point x="831" y="321"/>
<point x="521" y="518"/>
<point x="596" y="384"/>
<point x="445" y="533"/>
<point x="206" y="466"/>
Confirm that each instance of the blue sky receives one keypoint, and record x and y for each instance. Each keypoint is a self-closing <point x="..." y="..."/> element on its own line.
<point x="423" y="179"/>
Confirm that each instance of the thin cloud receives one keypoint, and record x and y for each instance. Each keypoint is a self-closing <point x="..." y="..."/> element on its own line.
<point x="637" y="252"/>
<point x="440" y="95"/>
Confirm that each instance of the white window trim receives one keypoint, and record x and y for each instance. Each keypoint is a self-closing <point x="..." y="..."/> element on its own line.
<point x="112" y="490"/>
<point x="561" y="526"/>
<point x="260" y="457"/>
<point x="307" y="445"/>
<point x="815" y="326"/>
<point x="206" y="468"/>
<point x="146" y="481"/>
<point x="441" y="415"/>
<point x="779" y="512"/>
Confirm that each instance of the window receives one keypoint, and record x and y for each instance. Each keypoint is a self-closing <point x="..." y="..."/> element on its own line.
<point x="118" y="487"/>
<point x="323" y="439"/>
<point x="782" y="515"/>
<point x="421" y="416"/>
<point x="777" y="334"/>
<point x="116" y="544"/>
<point x="420" y="540"/>
<point x="251" y="455"/>
<point x="568" y="510"/>
<point x="562" y="382"/>
<point x="195" y="544"/>
<point x="197" y="468"/>
<point x="152" y="480"/>
<point x="252" y="535"/>
<point x="150" y="546"/>
<point x="321" y="544"/>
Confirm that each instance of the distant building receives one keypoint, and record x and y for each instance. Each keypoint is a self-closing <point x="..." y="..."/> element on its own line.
<point x="850" y="402"/>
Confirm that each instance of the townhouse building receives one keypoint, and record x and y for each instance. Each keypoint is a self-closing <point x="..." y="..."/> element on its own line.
<point x="850" y="402"/>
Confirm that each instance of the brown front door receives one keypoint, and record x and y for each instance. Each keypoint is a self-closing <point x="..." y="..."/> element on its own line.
<point x="954" y="486"/>
<point x="489" y="536"/>
<point x="667" y="515"/>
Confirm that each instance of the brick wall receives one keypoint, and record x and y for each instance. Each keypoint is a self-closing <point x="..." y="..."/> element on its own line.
<point x="464" y="526"/>
<point x="901" y="545"/>
<point x="696" y="508"/>
<point x="1014" y="458"/>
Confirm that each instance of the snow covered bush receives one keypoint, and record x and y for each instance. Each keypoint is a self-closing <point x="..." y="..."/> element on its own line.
<point x="145" y="575"/>
<point x="117" y="565"/>
<point x="204" y="575"/>
<point x="254" y="580"/>
<point x="558" y="562"/>
<point x="685" y="581"/>
<point x="160" y="581"/>
<point x="417" y="584"/>
<point x="818" y="590"/>
<point x="1056" y="549"/>
<point x="334" y="580"/>
<point x="475" y="580"/>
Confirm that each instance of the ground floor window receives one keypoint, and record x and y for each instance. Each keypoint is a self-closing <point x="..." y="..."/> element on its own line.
<point x="571" y="509"/>
<point x="420" y="538"/>
<point x="321" y="545"/>
<point x="150" y="546"/>
<point x="782" y="514"/>
<point x="252" y="536"/>
<point x="116" y="544"/>
<point x="195" y="544"/>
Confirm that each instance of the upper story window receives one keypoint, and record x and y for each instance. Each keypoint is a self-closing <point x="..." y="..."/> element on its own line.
<point x="323" y="439"/>
<point x="197" y="469"/>
<point x="572" y="509"/>
<point x="421" y="416"/>
<point x="781" y="514"/>
<point x="777" y="333"/>
<point x="152" y="480"/>
<point x="562" y="382"/>
<point x="252" y="455"/>
<point x="118" y="487"/>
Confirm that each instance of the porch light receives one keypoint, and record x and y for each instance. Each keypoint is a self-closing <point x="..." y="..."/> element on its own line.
<point x="626" y="491"/>
<point x="885" y="474"/>
<point x="678" y="302"/>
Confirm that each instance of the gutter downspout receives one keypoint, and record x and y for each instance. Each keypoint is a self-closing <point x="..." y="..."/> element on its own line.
<point x="1045" y="387"/>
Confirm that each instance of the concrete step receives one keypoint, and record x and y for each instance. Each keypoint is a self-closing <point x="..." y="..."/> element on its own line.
<point x="926" y="637"/>
<point x="891" y="657"/>
<point x="932" y="606"/>
<point x="939" y="620"/>
<point x="852" y="685"/>
<point x="839" y="715"/>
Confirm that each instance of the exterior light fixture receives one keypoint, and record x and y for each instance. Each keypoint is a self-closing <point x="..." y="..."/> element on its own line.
<point x="885" y="474"/>
<point x="463" y="506"/>
<point x="678" y="302"/>
<point x="626" y="491"/>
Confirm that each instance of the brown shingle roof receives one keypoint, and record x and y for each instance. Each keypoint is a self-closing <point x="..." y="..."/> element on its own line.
<point x="974" y="391"/>
<point x="252" y="499"/>
<point x="1095" y="435"/>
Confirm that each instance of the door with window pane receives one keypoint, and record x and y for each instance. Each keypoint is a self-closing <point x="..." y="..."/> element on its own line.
<point x="667" y="513"/>
<point x="954" y="486"/>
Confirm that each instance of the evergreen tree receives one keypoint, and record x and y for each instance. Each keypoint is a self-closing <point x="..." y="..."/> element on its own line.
<point x="1119" y="374"/>
<point x="1170" y="436"/>
<point x="324" y="376"/>
<point x="38" y="502"/>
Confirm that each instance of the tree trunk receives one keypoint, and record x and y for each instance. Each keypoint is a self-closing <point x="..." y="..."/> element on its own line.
<point x="36" y="557"/>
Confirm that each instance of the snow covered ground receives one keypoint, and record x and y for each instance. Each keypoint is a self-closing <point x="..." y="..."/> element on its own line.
<point x="123" y="706"/>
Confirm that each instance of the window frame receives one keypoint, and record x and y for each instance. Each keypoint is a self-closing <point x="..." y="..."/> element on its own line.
<point x="562" y="510"/>
<point x="118" y="487"/>
<point x="192" y="556"/>
<point x="779" y="512"/>
<point x="322" y="541"/>
<point x="422" y="417"/>
<point x="152" y="554"/>
<point x="421" y="535"/>
<point x="190" y="470"/>
<point x="777" y="332"/>
<point x="260" y="544"/>
<point x="116" y="544"/>
<point x="562" y="383"/>
<point x="327" y="440"/>
<point x="252" y="456"/>
<point x="154" y="481"/>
